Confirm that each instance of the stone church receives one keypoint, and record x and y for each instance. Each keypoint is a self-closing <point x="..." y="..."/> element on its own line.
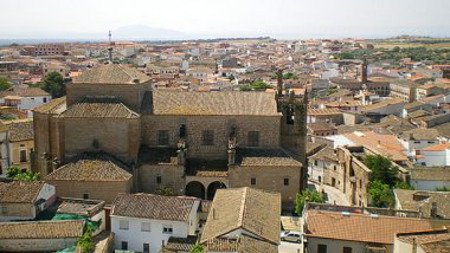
<point x="189" y="143"/>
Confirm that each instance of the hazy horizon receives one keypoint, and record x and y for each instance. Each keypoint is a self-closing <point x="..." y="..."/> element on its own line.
<point x="201" y="19"/>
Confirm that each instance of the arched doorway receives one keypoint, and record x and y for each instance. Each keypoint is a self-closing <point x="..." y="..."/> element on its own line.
<point x="212" y="188"/>
<point x="195" y="189"/>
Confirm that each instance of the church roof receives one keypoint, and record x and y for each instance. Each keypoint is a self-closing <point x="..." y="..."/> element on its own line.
<point x="90" y="170"/>
<point x="214" y="103"/>
<point x="101" y="107"/>
<point x="111" y="74"/>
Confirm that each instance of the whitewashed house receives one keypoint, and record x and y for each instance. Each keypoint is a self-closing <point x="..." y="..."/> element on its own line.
<point x="430" y="178"/>
<point x="436" y="155"/>
<point x="145" y="222"/>
<point x="25" y="98"/>
<point x="419" y="138"/>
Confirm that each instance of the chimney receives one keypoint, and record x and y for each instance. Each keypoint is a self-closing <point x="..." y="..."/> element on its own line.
<point x="434" y="210"/>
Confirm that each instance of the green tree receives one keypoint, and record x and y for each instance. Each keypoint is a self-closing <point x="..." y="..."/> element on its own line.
<point x="307" y="196"/>
<point x="54" y="84"/>
<point x="443" y="189"/>
<point x="198" y="248"/>
<point x="85" y="243"/>
<point x="381" y="194"/>
<point x="164" y="190"/>
<point x="16" y="173"/>
<point x="382" y="169"/>
<point x="403" y="185"/>
<point x="289" y="75"/>
<point x="246" y="87"/>
<point x="4" y="83"/>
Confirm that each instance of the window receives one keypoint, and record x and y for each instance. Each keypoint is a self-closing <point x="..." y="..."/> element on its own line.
<point x="347" y="250"/>
<point x="208" y="137"/>
<point x="85" y="196"/>
<point x="23" y="156"/>
<point x="182" y="130"/>
<point x="124" y="245"/>
<point x="286" y="181"/>
<point x="44" y="100"/>
<point x="316" y="162"/>
<point x="253" y="181"/>
<point x="253" y="138"/>
<point x="163" y="137"/>
<point x="3" y="210"/>
<point x="146" y="248"/>
<point x="167" y="229"/>
<point x="158" y="179"/>
<point x="145" y="226"/>
<point x="321" y="248"/>
<point x="123" y="225"/>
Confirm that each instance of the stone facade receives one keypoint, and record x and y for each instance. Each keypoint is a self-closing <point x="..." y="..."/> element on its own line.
<point x="203" y="128"/>
<point x="106" y="191"/>
<point x="283" y="179"/>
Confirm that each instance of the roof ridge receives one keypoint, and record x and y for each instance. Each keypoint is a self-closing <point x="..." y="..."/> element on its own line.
<point x="242" y="208"/>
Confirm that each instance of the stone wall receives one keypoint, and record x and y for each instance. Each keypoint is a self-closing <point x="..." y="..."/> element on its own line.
<point x="269" y="178"/>
<point x="356" y="178"/>
<point x="97" y="190"/>
<point x="39" y="245"/>
<point x="18" y="211"/>
<point x="172" y="176"/>
<point x="268" y="128"/>
<point x="119" y="137"/>
<point x="130" y="94"/>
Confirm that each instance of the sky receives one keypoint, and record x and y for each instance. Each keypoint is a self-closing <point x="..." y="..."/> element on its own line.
<point x="276" y="18"/>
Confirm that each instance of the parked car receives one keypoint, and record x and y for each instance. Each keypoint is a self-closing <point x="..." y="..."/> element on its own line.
<point x="291" y="236"/>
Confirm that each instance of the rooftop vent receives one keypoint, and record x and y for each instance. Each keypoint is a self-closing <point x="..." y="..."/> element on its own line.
<point x="136" y="80"/>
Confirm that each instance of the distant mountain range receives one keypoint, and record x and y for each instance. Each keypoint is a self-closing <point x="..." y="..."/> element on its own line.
<point x="143" y="32"/>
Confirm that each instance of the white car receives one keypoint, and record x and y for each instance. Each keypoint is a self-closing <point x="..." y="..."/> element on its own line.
<point x="291" y="236"/>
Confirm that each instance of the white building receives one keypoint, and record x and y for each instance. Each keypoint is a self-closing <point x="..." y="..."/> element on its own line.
<point x="145" y="222"/>
<point x="419" y="138"/>
<point x="25" y="98"/>
<point x="436" y="155"/>
<point x="430" y="178"/>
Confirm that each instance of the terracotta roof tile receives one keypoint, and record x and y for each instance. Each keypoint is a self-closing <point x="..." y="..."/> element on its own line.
<point x="150" y="206"/>
<point x="21" y="131"/>
<point x="250" y="209"/>
<point x="90" y="170"/>
<point x="214" y="103"/>
<point x="355" y="227"/>
<point x="56" y="105"/>
<point x="99" y="108"/>
<point x="41" y="229"/>
<point x="111" y="74"/>
<point x="19" y="191"/>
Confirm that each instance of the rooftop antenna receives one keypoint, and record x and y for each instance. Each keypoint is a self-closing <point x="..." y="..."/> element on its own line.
<point x="110" y="49"/>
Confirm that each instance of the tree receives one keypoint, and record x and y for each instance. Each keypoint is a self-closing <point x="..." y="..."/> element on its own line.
<point x="15" y="173"/>
<point x="164" y="190"/>
<point x="85" y="243"/>
<point x="403" y="185"/>
<point x="307" y="196"/>
<point x="54" y="84"/>
<point x="198" y="248"/>
<point x="4" y="83"/>
<point x="382" y="169"/>
<point x="381" y="194"/>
